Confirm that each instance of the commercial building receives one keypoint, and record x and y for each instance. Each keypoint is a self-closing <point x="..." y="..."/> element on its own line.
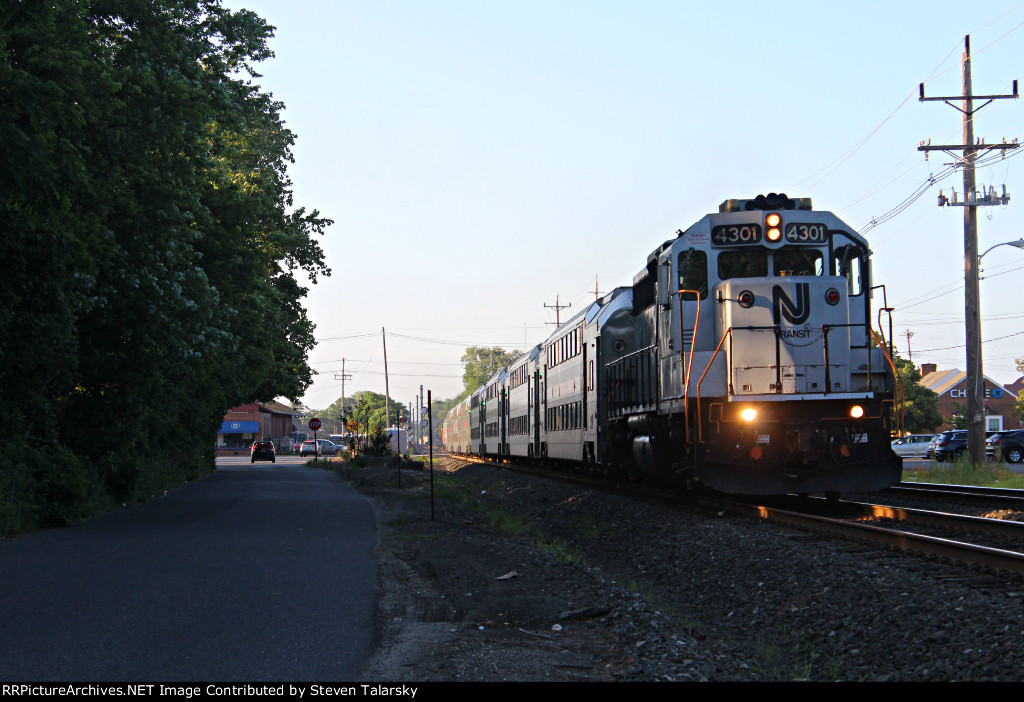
<point x="264" y="421"/>
<point x="951" y="387"/>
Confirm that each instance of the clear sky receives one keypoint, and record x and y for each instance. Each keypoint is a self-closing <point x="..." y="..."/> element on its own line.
<point x="483" y="159"/>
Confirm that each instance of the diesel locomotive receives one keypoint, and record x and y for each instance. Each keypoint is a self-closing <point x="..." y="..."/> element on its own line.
<point x="743" y="358"/>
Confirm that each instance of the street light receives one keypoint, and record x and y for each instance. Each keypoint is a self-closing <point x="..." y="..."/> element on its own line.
<point x="1019" y="244"/>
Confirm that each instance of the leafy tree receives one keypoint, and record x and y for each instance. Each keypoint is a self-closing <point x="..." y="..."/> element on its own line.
<point x="151" y="245"/>
<point x="959" y="418"/>
<point x="331" y="416"/>
<point x="371" y="412"/>
<point x="920" y="405"/>
<point x="1019" y="406"/>
<point x="483" y="362"/>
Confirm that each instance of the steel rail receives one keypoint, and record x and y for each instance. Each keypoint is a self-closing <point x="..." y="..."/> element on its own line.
<point x="963" y="493"/>
<point x="987" y="525"/>
<point x="998" y="560"/>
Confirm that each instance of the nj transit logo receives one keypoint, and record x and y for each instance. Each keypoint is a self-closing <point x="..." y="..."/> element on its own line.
<point x="795" y="312"/>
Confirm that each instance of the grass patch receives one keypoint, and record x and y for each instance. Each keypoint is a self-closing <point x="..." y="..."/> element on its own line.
<point x="560" y="548"/>
<point x="963" y="472"/>
<point x="667" y="607"/>
<point x="588" y="529"/>
<point x="501" y="520"/>
<point x="446" y="487"/>
<point x="793" y="660"/>
<point x="508" y="523"/>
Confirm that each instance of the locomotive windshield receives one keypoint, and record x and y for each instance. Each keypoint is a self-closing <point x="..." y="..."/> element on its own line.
<point x="750" y="263"/>
<point x="801" y="261"/>
<point x="754" y="263"/>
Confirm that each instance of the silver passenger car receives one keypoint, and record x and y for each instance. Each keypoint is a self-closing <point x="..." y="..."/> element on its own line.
<point x="912" y="446"/>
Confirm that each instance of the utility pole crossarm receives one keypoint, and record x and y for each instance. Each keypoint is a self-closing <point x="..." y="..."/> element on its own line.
<point x="1013" y="96"/>
<point x="965" y="147"/>
<point x="558" y="311"/>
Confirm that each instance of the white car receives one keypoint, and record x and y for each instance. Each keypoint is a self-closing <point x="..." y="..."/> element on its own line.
<point x="912" y="446"/>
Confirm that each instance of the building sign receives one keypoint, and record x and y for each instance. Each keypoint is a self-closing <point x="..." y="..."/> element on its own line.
<point x="989" y="394"/>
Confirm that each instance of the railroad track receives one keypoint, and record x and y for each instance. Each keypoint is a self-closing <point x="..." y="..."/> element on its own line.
<point x="981" y="544"/>
<point x="968" y="494"/>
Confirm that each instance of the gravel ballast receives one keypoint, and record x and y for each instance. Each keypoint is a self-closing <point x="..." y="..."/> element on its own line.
<point x="521" y="578"/>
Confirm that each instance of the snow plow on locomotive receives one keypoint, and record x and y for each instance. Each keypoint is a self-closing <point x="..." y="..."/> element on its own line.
<point x="742" y="359"/>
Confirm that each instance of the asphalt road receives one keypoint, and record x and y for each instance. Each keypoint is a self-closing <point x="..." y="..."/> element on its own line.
<point x="257" y="572"/>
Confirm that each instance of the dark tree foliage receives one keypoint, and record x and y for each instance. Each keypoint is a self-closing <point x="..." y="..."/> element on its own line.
<point x="920" y="405"/>
<point x="150" y="246"/>
<point x="371" y="412"/>
<point x="482" y="362"/>
<point x="1019" y="406"/>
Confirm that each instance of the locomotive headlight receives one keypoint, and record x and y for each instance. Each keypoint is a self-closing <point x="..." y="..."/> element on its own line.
<point x="748" y="414"/>
<point x="772" y="223"/>
<point x="856" y="411"/>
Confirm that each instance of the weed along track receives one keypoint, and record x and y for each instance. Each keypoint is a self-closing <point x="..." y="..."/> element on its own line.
<point x="519" y="577"/>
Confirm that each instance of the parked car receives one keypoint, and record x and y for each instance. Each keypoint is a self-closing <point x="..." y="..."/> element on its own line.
<point x="913" y="445"/>
<point x="1006" y="445"/>
<point x="950" y="445"/>
<point x="262" y="451"/>
<point x="327" y="448"/>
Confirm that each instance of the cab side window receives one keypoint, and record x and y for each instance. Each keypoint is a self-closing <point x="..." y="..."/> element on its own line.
<point x="849" y="263"/>
<point x="693" y="273"/>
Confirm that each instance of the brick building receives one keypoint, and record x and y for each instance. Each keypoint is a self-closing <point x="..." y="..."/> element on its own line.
<point x="256" y="421"/>
<point x="950" y="385"/>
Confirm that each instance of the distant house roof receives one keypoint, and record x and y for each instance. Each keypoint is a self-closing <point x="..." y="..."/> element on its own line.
<point x="942" y="381"/>
<point x="1016" y="386"/>
<point x="275" y="407"/>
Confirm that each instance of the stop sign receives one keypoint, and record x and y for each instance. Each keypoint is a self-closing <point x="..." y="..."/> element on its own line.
<point x="314" y="424"/>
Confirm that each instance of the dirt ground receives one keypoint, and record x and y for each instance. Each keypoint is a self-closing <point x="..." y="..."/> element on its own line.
<point x="523" y="578"/>
<point x="490" y="588"/>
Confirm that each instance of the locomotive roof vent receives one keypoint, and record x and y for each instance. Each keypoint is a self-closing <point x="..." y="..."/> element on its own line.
<point x="771" y="201"/>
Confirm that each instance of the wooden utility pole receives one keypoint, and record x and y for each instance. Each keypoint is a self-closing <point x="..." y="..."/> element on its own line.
<point x="967" y="157"/>
<point x="387" y="391"/>
<point x="558" y="309"/>
<point x="343" y="376"/>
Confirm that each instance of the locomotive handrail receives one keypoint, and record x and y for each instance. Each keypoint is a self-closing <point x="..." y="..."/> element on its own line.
<point x="700" y="424"/>
<point x="897" y="382"/>
<point x="689" y="363"/>
<point x="728" y="334"/>
<point x="888" y="310"/>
